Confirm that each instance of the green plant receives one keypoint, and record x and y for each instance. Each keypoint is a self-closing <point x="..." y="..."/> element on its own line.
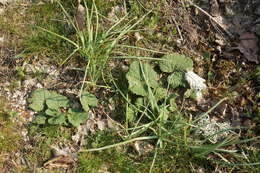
<point x="43" y="138"/>
<point x="175" y="62"/>
<point x="56" y="109"/>
<point x="154" y="114"/>
<point x="94" y="43"/>
<point x="37" y="42"/>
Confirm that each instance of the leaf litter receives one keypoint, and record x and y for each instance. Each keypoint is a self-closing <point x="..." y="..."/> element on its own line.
<point x="63" y="158"/>
<point x="247" y="46"/>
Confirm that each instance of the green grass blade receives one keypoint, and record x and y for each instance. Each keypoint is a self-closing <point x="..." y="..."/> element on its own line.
<point x="60" y="36"/>
<point x="120" y="144"/>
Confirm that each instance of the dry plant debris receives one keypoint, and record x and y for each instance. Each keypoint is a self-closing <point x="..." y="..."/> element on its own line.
<point x="209" y="37"/>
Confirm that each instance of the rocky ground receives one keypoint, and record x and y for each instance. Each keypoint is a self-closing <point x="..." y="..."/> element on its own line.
<point x="221" y="36"/>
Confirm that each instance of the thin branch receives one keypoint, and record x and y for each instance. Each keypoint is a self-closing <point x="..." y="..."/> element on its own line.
<point x="178" y="28"/>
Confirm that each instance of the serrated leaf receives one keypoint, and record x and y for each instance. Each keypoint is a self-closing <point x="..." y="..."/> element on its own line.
<point x="40" y="119"/>
<point x="55" y="101"/>
<point x="37" y="99"/>
<point x="87" y="99"/>
<point x="136" y="78"/>
<point x="76" y="117"/>
<point x="176" y="79"/>
<point x="174" y="62"/>
<point x="58" y="120"/>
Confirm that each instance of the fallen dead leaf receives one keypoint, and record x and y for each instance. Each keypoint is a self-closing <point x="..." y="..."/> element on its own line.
<point x="62" y="159"/>
<point x="191" y="32"/>
<point x="248" y="46"/>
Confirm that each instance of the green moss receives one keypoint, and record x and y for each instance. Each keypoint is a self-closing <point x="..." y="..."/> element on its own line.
<point x="112" y="161"/>
<point x="9" y="134"/>
<point x="43" y="137"/>
<point x="38" y="42"/>
<point x="10" y="137"/>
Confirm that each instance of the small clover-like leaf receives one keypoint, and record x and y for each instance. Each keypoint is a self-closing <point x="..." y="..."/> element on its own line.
<point x="87" y="99"/>
<point x="176" y="79"/>
<point x="174" y="62"/>
<point x="55" y="101"/>
<point x="37" y="99"/>
<point x="140" y="77"/>
<point x="76" y="117"/>
<point x="40" y="119"/>
<point x="51" y="112"/>
<point x="58" y="120"/>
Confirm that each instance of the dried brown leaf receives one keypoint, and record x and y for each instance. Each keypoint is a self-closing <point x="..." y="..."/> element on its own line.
<point x="248" y="46"/>
<point x="80" y="17"/>
<point x="61" y="161"/>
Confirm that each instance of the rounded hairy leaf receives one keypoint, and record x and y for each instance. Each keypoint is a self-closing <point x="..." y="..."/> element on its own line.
<point x="87" y="99"/>
<point x="37" y="99"/>
<point x="58" y="120"/>
<point x="174" y="62"/>
<point x="140" y="76"/>
<point x="176" y="79"/>
<point x="140" y="102"/>
<point x="173" y="106"/>
<point x="51" y="112"/>
<point x="55" y="101"/>
<point x="76" y="117"/>
<point x="40" y="119"/>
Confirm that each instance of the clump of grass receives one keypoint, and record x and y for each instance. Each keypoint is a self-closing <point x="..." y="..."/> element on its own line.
<point x="39" y="43"/>
<point x="172" y="130"/>
<point x="105" y="161"/>
<point x="112" y="160"/>
<point x="95" y="43"/>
